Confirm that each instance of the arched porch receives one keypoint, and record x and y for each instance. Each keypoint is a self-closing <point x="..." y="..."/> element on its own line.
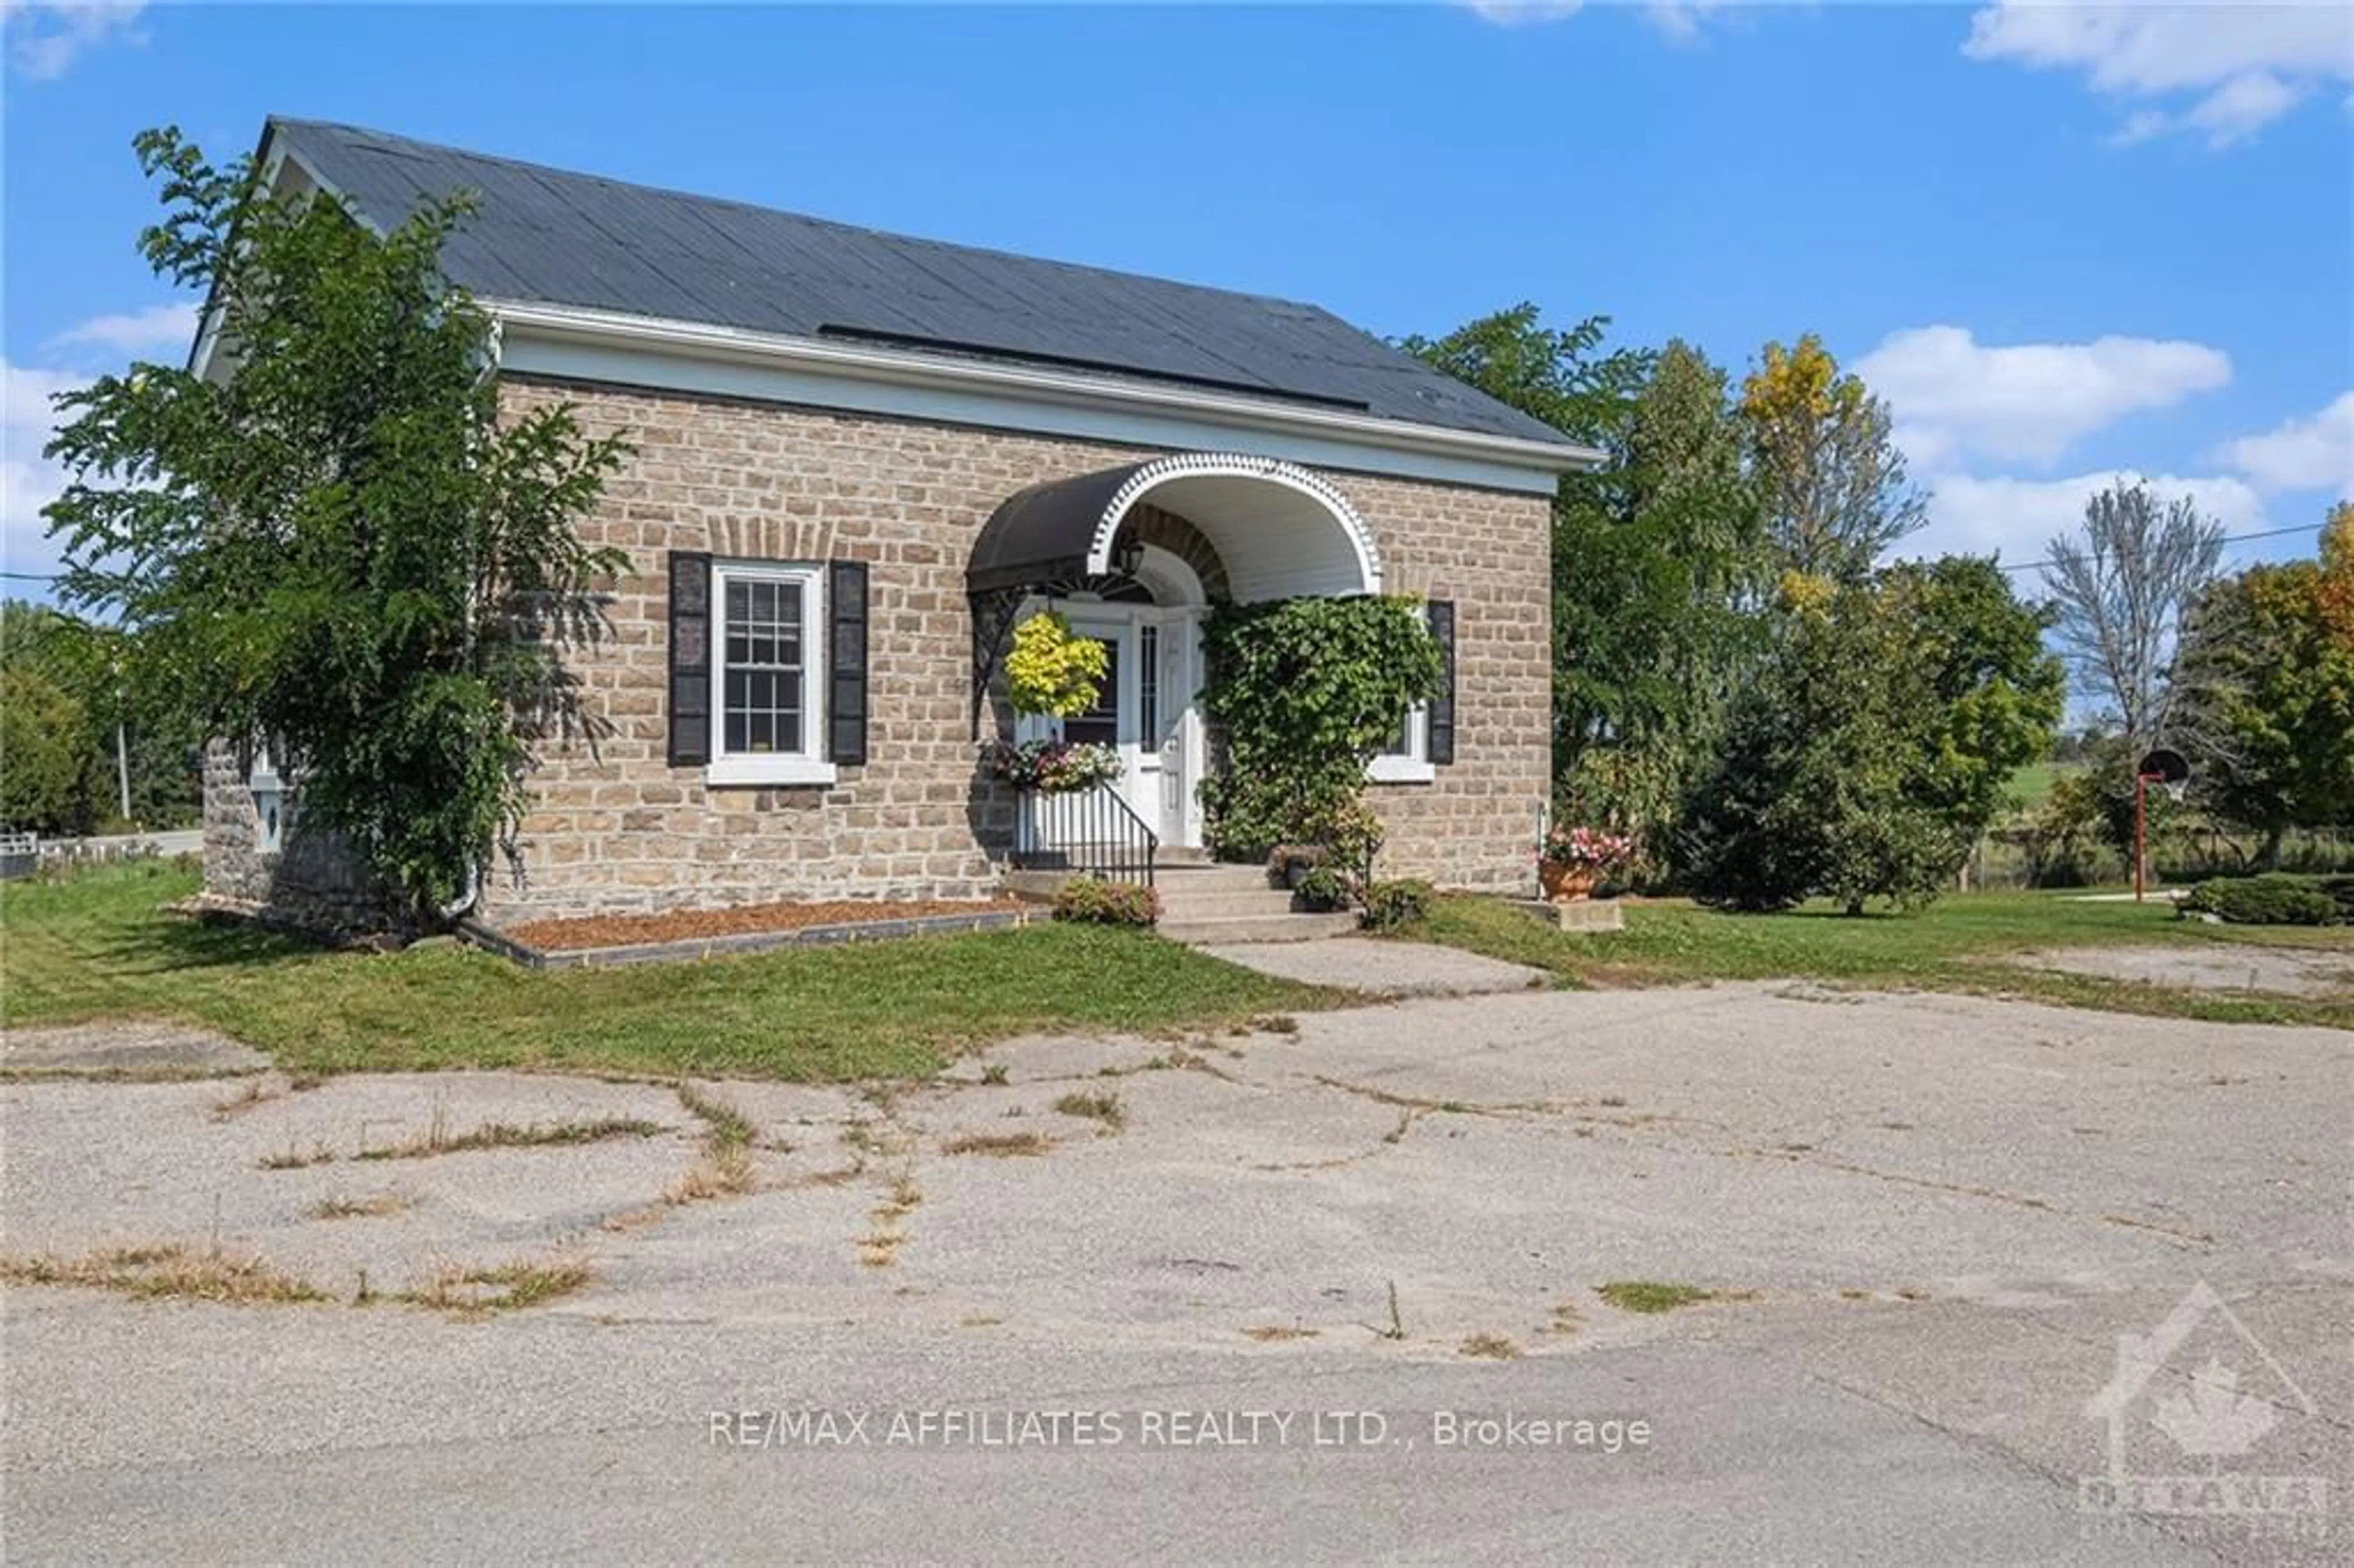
<point x="1133" y="556"/>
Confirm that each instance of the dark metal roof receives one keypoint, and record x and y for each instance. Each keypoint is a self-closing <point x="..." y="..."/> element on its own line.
<point x="544" y="235"/>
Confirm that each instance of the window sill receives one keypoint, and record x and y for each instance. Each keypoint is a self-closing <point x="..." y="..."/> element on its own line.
<point x="1401" y="770"/>
<point x="755" y="770"/>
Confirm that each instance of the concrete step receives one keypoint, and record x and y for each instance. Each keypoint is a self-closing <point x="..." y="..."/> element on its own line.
<point x="1225" y="878"/>
<point x="1259" y="928"/>
<point x="1211" y="903"/>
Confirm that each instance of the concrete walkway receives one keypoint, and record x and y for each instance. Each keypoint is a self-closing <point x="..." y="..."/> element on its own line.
<point x="2235" y="968"/>
<point x="1384" y="968"/>
<point x="131" y="1048"/>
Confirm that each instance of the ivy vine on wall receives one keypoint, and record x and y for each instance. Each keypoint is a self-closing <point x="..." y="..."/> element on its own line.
<point x="1306" y="692"/>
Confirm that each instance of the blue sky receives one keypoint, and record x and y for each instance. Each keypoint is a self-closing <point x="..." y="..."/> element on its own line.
<point x="2062" y="240"/>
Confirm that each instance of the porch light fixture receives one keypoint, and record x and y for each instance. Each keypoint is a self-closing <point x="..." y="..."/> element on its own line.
<point x="1128" y="557"/>
<point x="268" y="803"/>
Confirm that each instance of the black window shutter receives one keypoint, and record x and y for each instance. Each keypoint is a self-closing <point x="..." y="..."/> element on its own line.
<point x="1439" y="616"/>
<point x="690" y="659"/>
<point x="845" y="706"/>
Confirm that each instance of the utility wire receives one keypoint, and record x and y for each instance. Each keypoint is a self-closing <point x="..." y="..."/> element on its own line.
<point x="2228" y="539"/>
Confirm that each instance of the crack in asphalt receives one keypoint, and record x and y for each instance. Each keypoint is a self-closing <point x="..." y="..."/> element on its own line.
<point x="2200" y="1240"/>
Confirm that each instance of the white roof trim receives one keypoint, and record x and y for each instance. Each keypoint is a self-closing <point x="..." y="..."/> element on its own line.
<point x="1237" y="465"/>
<point x="864" y="363"/>
<point x="275" y="158"/>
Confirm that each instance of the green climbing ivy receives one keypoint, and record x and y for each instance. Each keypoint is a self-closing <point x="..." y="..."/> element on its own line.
<point x="1306" y="692"/>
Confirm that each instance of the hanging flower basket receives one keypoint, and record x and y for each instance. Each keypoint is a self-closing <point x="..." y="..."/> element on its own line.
<point x="1053" y="766"/>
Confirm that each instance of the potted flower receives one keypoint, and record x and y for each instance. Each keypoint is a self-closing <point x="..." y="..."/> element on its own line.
<point x="1286" y="864"/>
<point x="1572" y="859"/>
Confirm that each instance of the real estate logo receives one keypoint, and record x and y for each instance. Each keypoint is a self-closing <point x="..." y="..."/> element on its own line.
<point x="2209" y="1417"/>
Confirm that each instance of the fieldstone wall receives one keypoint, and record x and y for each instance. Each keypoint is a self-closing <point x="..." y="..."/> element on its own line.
<point x="309" y="881"/>
<point x="615" y="829"/>
<point x="1476" y="827"/>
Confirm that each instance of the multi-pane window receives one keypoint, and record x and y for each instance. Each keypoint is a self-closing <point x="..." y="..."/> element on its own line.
<point x="765" y="672"/>
<point x="761" y="697"/>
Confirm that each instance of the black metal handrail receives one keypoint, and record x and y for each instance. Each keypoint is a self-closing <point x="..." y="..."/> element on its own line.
<point x="1093" y="831"/>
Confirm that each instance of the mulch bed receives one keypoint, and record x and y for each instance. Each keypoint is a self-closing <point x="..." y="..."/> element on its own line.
<point x="689" y="925"/>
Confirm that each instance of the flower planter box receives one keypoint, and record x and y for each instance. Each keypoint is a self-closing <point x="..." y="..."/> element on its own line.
<point x="1566" y="884"/>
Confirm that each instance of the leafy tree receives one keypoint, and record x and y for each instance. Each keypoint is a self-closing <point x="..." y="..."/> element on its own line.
<point x="339" y="545"/>
<point x="46" y="783"/>
<point x="2121" y="586"/>
<point x="1558" y="376"/>
<point x="1659" y="564"/>
<point x="47" y="780"/>
<point x="1972" y="681"/>
<point x="2266" y="680"/>
<point x="1655" y="555"/>
<point x="1805" y="794"/>
<point x="1828" y="475"/>
<point x="1872" y="750"/>
<point x="80" y="661"/>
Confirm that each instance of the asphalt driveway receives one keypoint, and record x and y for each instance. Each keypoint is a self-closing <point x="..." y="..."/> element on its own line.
<point x="1239" y="1299"/>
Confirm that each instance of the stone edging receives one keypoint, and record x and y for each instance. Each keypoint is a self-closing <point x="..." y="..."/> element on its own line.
<point x="738" y="944"/>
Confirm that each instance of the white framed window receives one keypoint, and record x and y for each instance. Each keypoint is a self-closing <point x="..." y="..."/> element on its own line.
<point x="1406" y="758"/>
<point x="768" y="676"/>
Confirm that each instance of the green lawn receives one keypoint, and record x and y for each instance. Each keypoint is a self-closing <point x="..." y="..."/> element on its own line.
<point x="1957" y="943"/>
<point x="99" y="946"/>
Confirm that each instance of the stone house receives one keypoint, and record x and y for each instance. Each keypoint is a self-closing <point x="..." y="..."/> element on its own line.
<point x="858" y="457"/>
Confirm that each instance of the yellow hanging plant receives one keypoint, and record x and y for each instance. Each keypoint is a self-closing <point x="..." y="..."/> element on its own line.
<point x="1052" y="670"/>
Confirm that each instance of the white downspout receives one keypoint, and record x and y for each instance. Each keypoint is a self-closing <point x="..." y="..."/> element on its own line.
<point x="471" y="892"/>
<point x="467" y="895"/>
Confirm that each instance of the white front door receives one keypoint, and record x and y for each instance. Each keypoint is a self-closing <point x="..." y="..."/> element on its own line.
<point x="1165" y="664"/>
<point x="1146" y="712"/>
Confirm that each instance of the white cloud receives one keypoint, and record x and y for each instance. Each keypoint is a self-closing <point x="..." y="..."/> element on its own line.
<point x="45" y="36"/>
<point x="1513" y="12"/>
<point x="2141" y="125"/>
<point x="2301" y="454"/>
<point x="1681" y="19"/>
<point x="2243" y="106"/>
<point x="135" y="332"/>
<point x="28" y="481"/>
<point x="2242" y="65"/>
<point x="28" y="418"/>
<point x="2017" y="518"/>
<point x="1951" y="395"/>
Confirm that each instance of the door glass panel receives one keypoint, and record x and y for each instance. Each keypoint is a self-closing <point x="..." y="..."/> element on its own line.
<point x="1147" y="683"/>
<point x="1099" y="726"/>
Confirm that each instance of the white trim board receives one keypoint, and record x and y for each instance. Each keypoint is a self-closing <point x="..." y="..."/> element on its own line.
<point x="683" y="356"/>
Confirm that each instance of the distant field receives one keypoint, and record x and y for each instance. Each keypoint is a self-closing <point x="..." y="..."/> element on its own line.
<point x="2031" y="785"/>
